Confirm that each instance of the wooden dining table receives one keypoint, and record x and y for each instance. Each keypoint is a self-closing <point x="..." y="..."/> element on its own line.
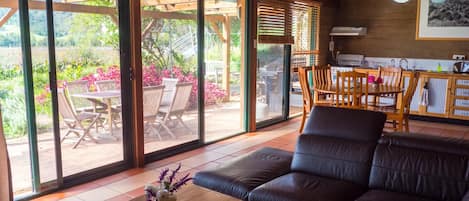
<point x="102" y="98"/>
<point x="373" y="90"/>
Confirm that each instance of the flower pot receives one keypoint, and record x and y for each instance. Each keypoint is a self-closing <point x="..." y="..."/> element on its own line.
<point x="164" y="195"/>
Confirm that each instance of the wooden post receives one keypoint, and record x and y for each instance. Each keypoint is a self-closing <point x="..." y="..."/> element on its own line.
<point x="242" y="71"/>
<point x="226" y="56"/>
<point x="7" y="16"/>
<point x="137" y="92"/>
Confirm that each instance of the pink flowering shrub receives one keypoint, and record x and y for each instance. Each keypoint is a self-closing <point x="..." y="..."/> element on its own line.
<point x="153" y="77"/>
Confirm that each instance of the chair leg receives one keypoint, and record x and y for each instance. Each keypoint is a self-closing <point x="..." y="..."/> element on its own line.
<point x="406" y="120"/>
<point x="179" y="117"/>
<point x="303" y="119"/>
<point x="400" y="126"/>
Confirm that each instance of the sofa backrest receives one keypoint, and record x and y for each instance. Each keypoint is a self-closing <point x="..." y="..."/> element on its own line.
<point x="339" y="143"/>
<point x="427" y="166"/>
<point x="360" y="125"/>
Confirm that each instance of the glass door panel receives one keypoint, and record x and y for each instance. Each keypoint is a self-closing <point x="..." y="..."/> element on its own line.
<point x="12" y="98"/>
<point x="43" y="98"/>
<point x="270" y="82"/>
<point x="224" y="114"/>
<point x="88" y="76"/>
<point x="169" y="58"/>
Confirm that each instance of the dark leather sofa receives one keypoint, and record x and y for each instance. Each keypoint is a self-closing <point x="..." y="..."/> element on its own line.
<point x="343" y="156"/>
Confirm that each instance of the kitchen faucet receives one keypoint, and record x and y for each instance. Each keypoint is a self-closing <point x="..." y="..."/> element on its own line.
<point x="406" y="63"/>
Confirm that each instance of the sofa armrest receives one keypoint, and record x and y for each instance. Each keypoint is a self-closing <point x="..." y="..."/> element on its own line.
<point x="466" y="197"/>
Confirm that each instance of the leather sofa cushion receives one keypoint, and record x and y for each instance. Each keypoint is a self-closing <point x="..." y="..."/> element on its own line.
<point x="239" y="177"/>
<point x="306" y="187"/>
<point x="343" y="123"/>
<point x="335" y="158"/>
<point x="431" y="167"/>
<point x="377" y="195"/>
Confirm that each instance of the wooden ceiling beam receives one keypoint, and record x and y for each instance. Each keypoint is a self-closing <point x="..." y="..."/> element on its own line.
<point x="7" y="16"/>
<point x="77" y="8"/>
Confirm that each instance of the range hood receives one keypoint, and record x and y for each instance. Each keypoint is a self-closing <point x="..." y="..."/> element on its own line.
<point x="348" y="31"/>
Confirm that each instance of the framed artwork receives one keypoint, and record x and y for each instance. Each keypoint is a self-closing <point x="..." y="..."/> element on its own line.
<point x="442" y="20"/>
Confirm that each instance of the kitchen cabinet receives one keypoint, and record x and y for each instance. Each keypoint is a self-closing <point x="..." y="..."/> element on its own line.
<point x="439" y="94"/>
<point x="459" y="107"/>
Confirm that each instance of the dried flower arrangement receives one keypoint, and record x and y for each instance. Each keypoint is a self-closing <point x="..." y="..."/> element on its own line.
<point x="169" y="184"/>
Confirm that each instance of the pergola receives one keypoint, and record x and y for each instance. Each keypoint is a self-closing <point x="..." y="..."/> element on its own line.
<point x="216" y="12"/>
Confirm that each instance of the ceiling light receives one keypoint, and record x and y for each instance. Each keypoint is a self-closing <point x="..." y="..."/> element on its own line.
<point x="401" y="1"/>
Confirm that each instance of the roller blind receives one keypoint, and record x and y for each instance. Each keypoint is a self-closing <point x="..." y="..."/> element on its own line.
<point x="276" y="19"/>
<point x="305" y="31"/>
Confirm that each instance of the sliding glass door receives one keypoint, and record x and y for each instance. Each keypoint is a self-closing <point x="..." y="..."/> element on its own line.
<point x="224" y="73"/>
<point x="61" y="90"/>
<point x="89" y="73"/>
<point x="170" y="75"/>
<point x="270" y="85"/>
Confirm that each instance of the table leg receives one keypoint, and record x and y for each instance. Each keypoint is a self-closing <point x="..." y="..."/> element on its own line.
<point x="109" y="109"/>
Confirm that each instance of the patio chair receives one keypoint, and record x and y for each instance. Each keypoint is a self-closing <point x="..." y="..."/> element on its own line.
<point x="76" y="122"/>
<point x="110" y="85"/>
<point x="78" y="87"/>
<point x="177" y="107"/>
<point x="151" y="104"/>
<point x="170" y="88"/>
<point x="6" y="189"/>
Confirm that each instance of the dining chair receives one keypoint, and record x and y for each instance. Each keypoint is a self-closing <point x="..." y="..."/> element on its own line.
<point x="392" y="77"/>
<point x="170" y="88"/>
<point x="75" y="122"/>
<point x="6" y="188"/>
<point x="321" y="78"/>
<point x="306" y="94"/>
<point x="151" y="104"/>
<point x="105" y="85"/>
<point x="401" y="113"/>
<point x="78" y="87"/>
<point x="110" y="85"/>
<point x="176" y="109"/>
<point x="351" y="88"/>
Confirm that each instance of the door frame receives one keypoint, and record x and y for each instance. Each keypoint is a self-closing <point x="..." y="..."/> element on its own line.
<point x="61" y="182"/>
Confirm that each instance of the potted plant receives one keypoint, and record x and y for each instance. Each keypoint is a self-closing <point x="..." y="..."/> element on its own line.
<point x="169" y="183"/>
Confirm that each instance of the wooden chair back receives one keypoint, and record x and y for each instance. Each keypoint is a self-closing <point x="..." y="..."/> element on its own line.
<point x="391" y="76"/>
<point x="305" y="89"/>
<point x="170" y="86"/>
<point x="409" y="93"/>
<point x="351" y="88"/>
<point x="78" y="87"/>
<point x="6" y="188"/>
<point x="322" y="76"/>
<point x="181" y="97"/>
<point x="152" y="100"/>
<point x="65" y="108"/>
<point x="106" y="85"/>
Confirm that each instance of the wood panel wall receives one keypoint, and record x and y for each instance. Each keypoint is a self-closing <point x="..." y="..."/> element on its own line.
<point x="327" y="19"/>
<point x="391" y="31"/>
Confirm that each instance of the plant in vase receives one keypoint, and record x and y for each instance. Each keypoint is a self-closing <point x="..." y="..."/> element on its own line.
<point x="169" y="184"/>
<point x="375" y="81"/>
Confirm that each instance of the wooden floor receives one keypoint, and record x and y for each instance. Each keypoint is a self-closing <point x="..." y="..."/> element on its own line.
<point x="128" y="185"/>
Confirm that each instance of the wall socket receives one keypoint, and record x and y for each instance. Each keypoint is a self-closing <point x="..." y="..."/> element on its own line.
<point x="459" y="56"/>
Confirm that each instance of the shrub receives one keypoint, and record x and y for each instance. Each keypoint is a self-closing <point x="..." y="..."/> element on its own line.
<point x="153" y="77"/>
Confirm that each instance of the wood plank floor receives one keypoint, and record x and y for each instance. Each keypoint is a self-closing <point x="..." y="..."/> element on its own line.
<point x="128" y="185"/>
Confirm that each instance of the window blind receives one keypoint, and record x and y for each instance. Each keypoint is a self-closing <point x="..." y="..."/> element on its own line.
<point x="278" y="19"/>
<point x="305" y="31"/>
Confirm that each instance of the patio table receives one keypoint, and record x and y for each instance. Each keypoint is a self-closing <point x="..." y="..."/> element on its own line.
<point x="106" y="97"/>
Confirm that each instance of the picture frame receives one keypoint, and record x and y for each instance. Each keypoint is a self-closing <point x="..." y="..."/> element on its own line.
<point x="434" y="25"/>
